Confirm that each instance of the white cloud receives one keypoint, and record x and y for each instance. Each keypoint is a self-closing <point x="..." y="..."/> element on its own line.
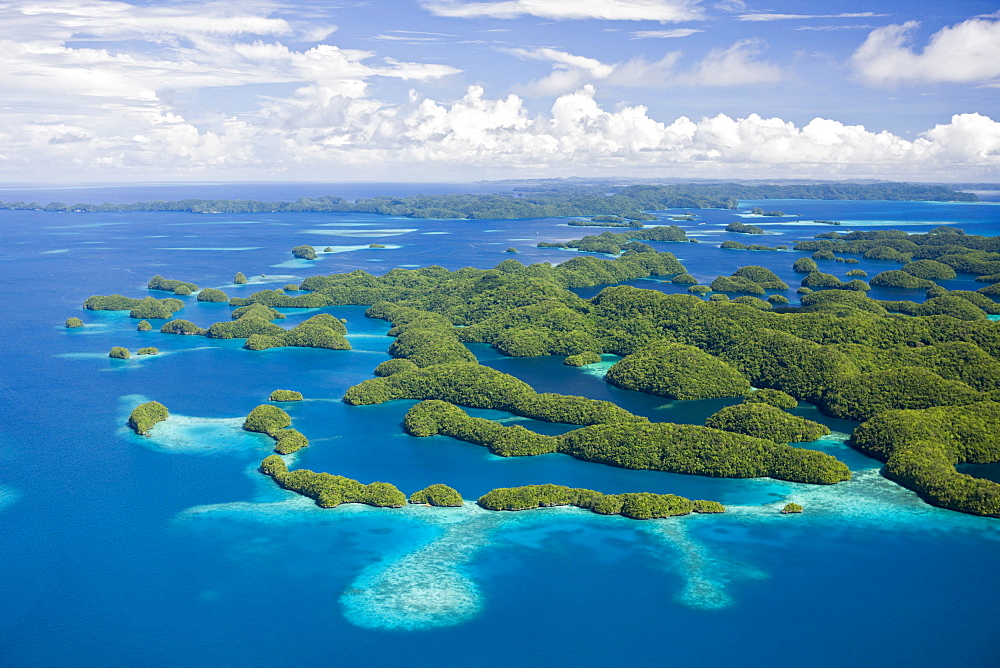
<point x="571" y="72"/>
<point x="736" y="65"/>
<point x="325" y="133"/>
<point x="768" y="16"/>
<point x="100" y="90"/>
<point x="152" y="49"/>
<point x="968" y="52"/>
<point x="665" y="34"/>
<point x="613" y="10"/>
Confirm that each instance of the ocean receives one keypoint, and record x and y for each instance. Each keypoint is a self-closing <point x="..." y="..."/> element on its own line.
<point x="172" y="549"/>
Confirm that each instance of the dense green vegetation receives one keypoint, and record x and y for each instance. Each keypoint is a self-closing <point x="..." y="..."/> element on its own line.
<point x="900" y="279"/>
<point x="289" y="441"/>
<point x="181" y="327"/>
<point x="305" y="251"/>
<point x="762" y="420"/>
<point x="240" y="278"/>
<point x="736" y="245"/>
<point x="73" y="322"/>
<point x="752" y="279"/>
<point x="147" y="308"/>
<point x="638" y="506"/>
<point x="762" y="276"/>
<point x="743" y="228"/>
<point x="677" y="371"/>
<point x="212" y="295"/>
<point x="855" y="357"/>
<point x="582" y="359"/>
<point x="437" y="495"/>
<point x="144" y="326"/>
<point x="320" y="331"/>
<point x="791" y="508"/>
<point x="963" y="253"/>
<point x="144" y="416"/>
<point x="930" y="269"/>
<point x="329" y="491"/>
<point x="159" y="283"/>
<point x="117" y="352"/>
<point x="544" y="200"/>
<point x="285" y="395"/>
<point x="615" y="243"/>
<point x="389" y="367"/>
<point x="479" y="386"/>
<point x="805" y="265"/>
<point x="267" y="419"/>
<point x="775" y="398"/>
<point x="258" y="311"/>
<point x="863" y="396"/>
<point x="637" y="445"/>
<point x="149" y="350"/>
<point x="736" y="284"/>
<point x="921" y="447"/>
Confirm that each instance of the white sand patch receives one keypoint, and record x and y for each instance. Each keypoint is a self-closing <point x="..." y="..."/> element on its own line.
<point x="600" y="369"/>
<point x="870" y="501"/>
<point x="425" y="588"/>
<point x="184" y="434"/>
<point x="705" y="574"/>
<point x="294" y="263"/>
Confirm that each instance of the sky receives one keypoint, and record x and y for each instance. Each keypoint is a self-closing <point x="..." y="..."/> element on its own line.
<point x="99" y="91"/>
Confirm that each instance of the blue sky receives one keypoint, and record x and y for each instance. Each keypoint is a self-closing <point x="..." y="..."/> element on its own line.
<point x="460" y="90"/>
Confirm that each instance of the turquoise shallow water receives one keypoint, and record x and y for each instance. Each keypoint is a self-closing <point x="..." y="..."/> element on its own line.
<point x="123" y="550"/>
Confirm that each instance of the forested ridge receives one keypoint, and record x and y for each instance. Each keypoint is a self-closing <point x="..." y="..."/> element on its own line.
<point x="539" y="202"/>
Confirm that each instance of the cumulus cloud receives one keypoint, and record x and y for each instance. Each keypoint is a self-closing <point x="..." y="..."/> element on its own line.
<point x="615" y="10"/>
<point x="83" y="105"/>
<point x="736" y="65"/>
<point x="324" y="133"/>
<point x="967" y="52"/>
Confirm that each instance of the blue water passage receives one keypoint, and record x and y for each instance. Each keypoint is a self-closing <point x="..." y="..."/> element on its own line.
<point x="124" y="550"/>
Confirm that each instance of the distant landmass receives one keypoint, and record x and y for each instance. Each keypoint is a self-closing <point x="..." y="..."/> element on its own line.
<point x="544" y="199"/>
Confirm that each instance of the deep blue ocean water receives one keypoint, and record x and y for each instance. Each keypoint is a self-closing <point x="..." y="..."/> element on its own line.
<point x="123" y="550"/>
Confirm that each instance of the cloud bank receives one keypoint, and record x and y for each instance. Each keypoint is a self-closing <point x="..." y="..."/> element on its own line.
<point x="323" y="134"/>
<point x="102" y="90"/>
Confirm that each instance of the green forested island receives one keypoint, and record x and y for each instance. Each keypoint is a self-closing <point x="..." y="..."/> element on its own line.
<point x="543" y="201"/>
<point x="923" y="378"/>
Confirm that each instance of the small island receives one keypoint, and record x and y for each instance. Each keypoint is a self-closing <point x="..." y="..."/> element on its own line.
<point x="437" y="495"/>
<point x="144" y="416"/>
<point x="285" y="395"/>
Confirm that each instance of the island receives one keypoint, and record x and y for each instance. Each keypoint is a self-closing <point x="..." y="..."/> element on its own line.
<point x="897" y="366"/>
<point x="285" y="395"/>
<point x="144" y="416"/>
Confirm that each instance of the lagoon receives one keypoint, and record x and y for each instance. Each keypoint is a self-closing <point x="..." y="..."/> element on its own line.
<point x="173" y="550"/>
